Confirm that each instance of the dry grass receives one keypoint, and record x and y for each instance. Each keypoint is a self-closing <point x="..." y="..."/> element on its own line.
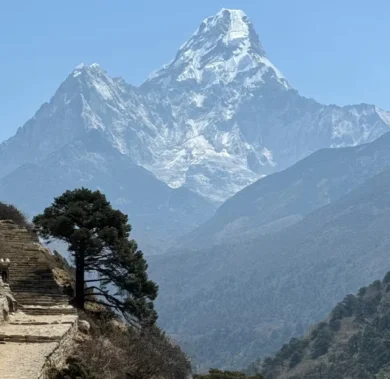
<point x="115" y="351"/>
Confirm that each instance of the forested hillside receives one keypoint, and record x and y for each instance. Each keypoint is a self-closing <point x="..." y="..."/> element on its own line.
<point x="352" y="343"/>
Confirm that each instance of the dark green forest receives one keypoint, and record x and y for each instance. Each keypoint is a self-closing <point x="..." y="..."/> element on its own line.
<point x="353" y="342"/>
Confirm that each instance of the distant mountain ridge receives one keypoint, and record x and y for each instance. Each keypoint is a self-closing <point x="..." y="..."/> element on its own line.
<point x="92" y="162"/>
<point x="243" y="297"/>
<point x="214" y="120"/>
<point x="286" y="197"/>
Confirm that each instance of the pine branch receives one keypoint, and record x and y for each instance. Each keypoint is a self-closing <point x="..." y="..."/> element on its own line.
<point x="97" y="280"/>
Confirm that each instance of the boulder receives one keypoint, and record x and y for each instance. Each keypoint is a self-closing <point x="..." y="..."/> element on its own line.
<point x="84" y="326"/>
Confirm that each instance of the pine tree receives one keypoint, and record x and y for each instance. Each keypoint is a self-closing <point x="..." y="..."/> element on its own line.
<point x="98" y="239"/>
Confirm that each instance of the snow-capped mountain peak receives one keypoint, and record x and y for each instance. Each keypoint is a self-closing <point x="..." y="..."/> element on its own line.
<point x="215" y="119"/>
<point x="93" y="68"/>
<point x="94" y="84"/>
<point x="223" y="47"/>
<point x="229" y="26"/>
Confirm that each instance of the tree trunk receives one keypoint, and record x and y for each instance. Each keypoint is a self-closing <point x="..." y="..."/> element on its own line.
<point x="80" y="273"/>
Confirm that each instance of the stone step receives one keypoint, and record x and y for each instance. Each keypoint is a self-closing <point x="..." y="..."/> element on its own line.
<point x="36" y="289"/>
<point x="28" y="263"/>
<point x="42" y="311"/>
<point x="30" y="270"/>
<point x="37" y="312"/>
<point x="20" y="318"/>
<point x="33" y="333"/>
<point x="33" y="295"/>
<point x="31" y="273"/>
<point x="34" y="299"/>
<point x="37" y="295"/>
<point x="45" y="310"/>
<point x="39" y="302"/>
<point x="29" y="339"/>
<point x="42" y="303"/>
<point x="31" y="280"/>
<point x="31" y="291"/>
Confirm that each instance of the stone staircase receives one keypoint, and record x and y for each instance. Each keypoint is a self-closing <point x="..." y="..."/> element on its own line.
<point x="30" y="276"/>
<point x="29" y="342"/>
<point x="45" y="325"/>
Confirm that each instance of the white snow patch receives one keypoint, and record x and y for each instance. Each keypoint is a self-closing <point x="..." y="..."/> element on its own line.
<point x="103" y="89"/>
<point x="238" y="27"/>
<point x="199" y="99"/>
<point x="385" y="116"/>
<point x="94" y="66"/>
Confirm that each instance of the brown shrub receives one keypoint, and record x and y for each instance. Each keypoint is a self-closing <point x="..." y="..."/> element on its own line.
<point x="116" y="352"/>
<point x="10" y="212"/>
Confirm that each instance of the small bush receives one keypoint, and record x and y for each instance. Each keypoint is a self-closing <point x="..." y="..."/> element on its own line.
<point x="296" y="358"/>
<point x="321" y="343"/>
<point x="10" y="212"/>
<point x="74" y="369"/>
<point x="117" y="351"/>
<point x="386" y="279"/>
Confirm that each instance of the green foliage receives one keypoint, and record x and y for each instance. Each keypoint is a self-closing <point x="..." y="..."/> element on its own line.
<point x="354" y="342"/>
<point x="10" y="212"/>
<point x="335" y="325"/>
<point x="296" y="358"/>
<point x="218" y="374"/>
<point x="376" y="285"/>
<point x="98" y="238"/>
<point x="321" y="343"/>
<point x="362" y="291"/>
<point x="386" y="279"/>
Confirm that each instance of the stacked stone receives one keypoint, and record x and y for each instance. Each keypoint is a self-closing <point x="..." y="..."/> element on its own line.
<point x="31" y="277"/>
<point x="41" y="335"/>
<point x="7" y="301"/>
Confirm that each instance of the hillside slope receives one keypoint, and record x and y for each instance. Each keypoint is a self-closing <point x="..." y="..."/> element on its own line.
<point x="352" y="342"/>
<point x="245" y="299"/>
<point x="286" y="197"/>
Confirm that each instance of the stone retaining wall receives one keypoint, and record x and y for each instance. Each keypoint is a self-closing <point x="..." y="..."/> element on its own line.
<point x="64" y="349"/>
<point x="41" y="335"/>
<point x="7" y="302"/>
<point x="4" y="310"/>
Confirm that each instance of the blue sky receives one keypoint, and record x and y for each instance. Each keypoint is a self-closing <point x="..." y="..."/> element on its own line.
<point x="334" y="51"/>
